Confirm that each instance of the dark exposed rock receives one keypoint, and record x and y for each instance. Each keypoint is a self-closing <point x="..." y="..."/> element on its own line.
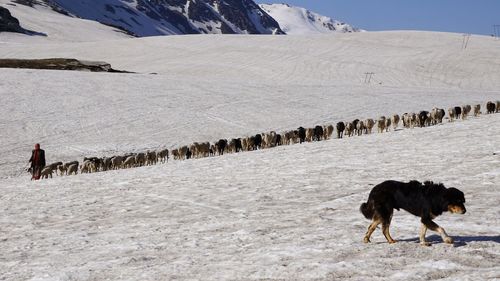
<point x="58" y="64"/>
<point x="8" y="23"/>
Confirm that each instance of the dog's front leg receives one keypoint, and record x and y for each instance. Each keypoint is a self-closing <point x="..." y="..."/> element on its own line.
<point x="434" y="227"/>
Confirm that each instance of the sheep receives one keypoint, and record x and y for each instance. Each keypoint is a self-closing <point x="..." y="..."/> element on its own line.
<point x="97" y="161"/>
<point x="72" y="169"/>
<point x="46" y="172"/>
<point x="244" y="144"/>
<point x="140" y="159"/>
<point x="251" y="143"/>
<point x="163" y="155"/>
<point x="88" y="167"/>
<point x="490" y="107"/>
<point x="309" y="134"/>
<point x="183" y="152"/>
<point x="62" y="170"/>
<point x="360" y="127"/>
<point x="289" y="138"/>
<point x="387" y="124"/>
<point x="55" y="166"/>
<point x="221" y="146"/>
<point x="369" y="123"/>
<point x="257" y="141"/>
<point x="194" y="148"/>
<point x="204" y="149"/>
<point x="318" y="133"/>
<point x="175" y="154"/>
<point x="465" y="111"/>
<point x="452" y="113"/>
<point x="301" y="134"/>
<point x="477" y="110"/>
<point x="414" y="120"/>
<point x="117" y="162"/>
<point x="458" y="112"/>
<point x="65" y="166"/>
<point x="328" y="131"/>
<point x="268" y="140"/>
<point x="355" y="125"/>
<point x="151" y="158"/>
<point x="349" y="129"/>
<point x="381" y="124"/>
<point x="406" y="120"/>
<point x="129" y="162"/>
<point x="428" y="120"/>
<point x="340" y="129"/>
<point x="395" y="121"/>
<point x="235" y="145"/>
<point x="422" y="118"/>
<point x="106" y="163"/>
<point x="437" y="115"/>
<point x="278" y="140"/>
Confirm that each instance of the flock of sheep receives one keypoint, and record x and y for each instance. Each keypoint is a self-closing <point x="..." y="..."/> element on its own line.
<point x="265" y="140"/>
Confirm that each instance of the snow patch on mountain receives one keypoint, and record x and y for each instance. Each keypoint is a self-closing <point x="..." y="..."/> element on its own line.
<point x="300" y="21"/>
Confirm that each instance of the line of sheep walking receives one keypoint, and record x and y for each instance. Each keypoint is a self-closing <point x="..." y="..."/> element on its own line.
<point x="265" y="140"/>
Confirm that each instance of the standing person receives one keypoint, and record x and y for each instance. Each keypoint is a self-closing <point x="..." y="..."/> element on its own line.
<point x="37" y="162"/>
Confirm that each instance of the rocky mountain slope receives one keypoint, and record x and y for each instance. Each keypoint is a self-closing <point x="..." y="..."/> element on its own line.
<point x="168" y="17"/>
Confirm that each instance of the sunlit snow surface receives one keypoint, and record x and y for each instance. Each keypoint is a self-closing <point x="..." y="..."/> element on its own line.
<point x="284" y="213"/>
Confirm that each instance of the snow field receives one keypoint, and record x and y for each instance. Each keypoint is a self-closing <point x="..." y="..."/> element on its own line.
<point x="284" y="213"/>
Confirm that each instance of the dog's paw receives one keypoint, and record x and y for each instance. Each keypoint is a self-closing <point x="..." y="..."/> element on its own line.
<point x="392" y="241"/>
<point x="448" y="240"/>
<point x="366" y="240"/>
<point x="425" y="243"/>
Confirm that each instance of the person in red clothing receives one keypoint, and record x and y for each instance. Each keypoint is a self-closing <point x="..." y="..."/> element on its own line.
<point x="37" y="162"/>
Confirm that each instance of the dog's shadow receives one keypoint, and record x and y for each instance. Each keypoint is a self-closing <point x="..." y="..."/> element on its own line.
<point x="459" y="240"/>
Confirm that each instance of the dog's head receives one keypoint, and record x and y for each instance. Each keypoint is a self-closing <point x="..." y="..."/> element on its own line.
<point x="455" y="200"/>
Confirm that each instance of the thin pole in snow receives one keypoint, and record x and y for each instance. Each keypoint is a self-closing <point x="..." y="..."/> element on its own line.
<point x="368" y="77"/>
<point x="496" y="31"/>
<point x="465" y="41"/>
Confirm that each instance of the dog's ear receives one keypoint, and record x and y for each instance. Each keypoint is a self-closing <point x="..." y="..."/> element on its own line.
<point x="455" y="195"/>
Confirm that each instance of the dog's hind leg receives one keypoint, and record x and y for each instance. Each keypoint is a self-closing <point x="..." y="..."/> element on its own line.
<point x="434" y="227"/>
<point x="385" y="230"/>
<point x="423" y="230"/>
<point x="376" y="221"/>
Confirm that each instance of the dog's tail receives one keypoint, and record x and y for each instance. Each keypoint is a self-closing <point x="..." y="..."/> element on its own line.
<point x="367" y="209"/>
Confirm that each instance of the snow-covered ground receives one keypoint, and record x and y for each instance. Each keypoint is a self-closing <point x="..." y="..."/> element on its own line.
<point x="285" y="213"/>
<point x="211" y="87"/>
<point x="289" y="213"/>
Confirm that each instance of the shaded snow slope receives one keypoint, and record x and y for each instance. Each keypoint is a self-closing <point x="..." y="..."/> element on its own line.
<point x="289" y="213"/>
<point x="53" y="27"/>
<point x="300" y="21"/>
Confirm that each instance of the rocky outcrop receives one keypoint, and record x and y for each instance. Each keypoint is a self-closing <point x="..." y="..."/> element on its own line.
<point x="8" y="23"/>
<point x="59" y="64"/>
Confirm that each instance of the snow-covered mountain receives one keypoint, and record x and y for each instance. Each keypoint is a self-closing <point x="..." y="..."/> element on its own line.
<point x="168" y="17"/>
<point x="300" y="21"/>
